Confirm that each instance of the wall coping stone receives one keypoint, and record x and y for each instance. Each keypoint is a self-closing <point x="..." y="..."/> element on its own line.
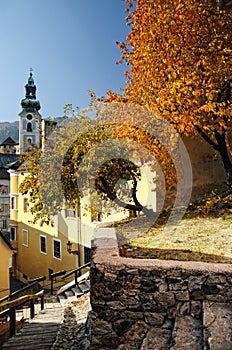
<point x="105" y="252"/>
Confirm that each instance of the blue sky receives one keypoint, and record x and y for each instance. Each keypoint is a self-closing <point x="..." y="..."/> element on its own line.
<point x="71" y="46"/>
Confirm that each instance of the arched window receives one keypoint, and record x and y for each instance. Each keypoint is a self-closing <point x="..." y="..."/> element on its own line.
<point x="29" y="127"/>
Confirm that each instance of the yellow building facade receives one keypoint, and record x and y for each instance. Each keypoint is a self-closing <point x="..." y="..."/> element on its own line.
<point x="6" y="253"/>
<point x="41" y="250"/>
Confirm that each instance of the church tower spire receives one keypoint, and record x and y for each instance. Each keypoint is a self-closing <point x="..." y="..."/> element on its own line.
<point x="30" y="118"/>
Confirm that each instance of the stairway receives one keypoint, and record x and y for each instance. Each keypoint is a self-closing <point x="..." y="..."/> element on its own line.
<point x="40" y="332"/>
<point x="71" y="292"/>
<point x="43" y="331"/>
<point x="208" y="327"/>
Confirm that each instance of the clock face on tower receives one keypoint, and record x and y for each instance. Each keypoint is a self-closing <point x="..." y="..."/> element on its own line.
<point x="29" y="116"/>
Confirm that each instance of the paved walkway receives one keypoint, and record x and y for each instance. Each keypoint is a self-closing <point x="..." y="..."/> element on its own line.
<point x="40" y="332"/>
<point x="58" y="326"/>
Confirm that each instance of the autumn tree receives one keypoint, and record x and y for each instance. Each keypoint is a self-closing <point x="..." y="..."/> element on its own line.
<point x="180" y="56"/>
<point x="80" y="158"/>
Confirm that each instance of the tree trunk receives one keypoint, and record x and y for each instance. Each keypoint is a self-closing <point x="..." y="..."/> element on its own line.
<point x="221" y="147"/>
<point x="227" y="162"/>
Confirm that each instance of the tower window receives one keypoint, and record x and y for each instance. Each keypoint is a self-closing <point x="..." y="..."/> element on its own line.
<point x="29" y="116"/>
<point x="29" y="127"/>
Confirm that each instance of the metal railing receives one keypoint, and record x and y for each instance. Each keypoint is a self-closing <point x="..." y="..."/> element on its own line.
<point x="77" y="272"/>
<point x="32" y="287"/>
<point x="53" y="278"/>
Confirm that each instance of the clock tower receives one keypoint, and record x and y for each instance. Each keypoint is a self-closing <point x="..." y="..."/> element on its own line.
<point x="29" y="117"/>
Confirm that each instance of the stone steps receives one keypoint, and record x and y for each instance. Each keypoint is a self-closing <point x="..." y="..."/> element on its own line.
<point x="217" y="318"/>
<point x="210" y="328"/>
<point x="74" y="292"/>
<point x="40" y="332"/>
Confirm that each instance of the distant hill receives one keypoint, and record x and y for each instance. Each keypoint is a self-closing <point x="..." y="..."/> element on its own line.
<point x="9" y="130"/>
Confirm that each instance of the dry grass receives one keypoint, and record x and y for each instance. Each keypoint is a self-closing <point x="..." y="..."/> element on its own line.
<point x="204" y="234"/>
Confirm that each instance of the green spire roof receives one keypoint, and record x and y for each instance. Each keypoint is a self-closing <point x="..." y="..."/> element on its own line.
<point x="30" y="103"/>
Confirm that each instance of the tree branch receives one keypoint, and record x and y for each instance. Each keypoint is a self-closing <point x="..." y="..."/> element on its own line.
<point x="206" y="137"/>
<point x="112" y="195"/>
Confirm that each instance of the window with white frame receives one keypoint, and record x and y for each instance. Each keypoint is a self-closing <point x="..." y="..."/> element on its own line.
<point x="56" y="248"/>
<point x="13" y="236"/>
<point x="25" y="237"/>
<point x="43" y="244"/>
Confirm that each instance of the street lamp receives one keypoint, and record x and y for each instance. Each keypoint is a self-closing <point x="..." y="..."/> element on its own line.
<point x="69" y="249"/>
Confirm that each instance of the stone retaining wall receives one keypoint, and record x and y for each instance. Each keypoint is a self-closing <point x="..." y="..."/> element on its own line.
<point x="133" y="299"/>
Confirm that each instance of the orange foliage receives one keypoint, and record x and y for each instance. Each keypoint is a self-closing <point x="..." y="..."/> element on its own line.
<point x="179" y="54"/>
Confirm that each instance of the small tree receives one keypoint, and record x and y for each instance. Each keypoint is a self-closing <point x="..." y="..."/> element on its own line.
<point x="73" y="164"/>
<point x="180" y="57"/>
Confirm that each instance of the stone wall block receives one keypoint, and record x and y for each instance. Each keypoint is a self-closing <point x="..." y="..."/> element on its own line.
<point x="156" y="339"/>
<point x="217" y="298"/>
<point x="172" y="273"/>
<point x="211" y="289"/>
<point x="144" y="272"/>
<point x="147" y="285"/>
<point x="183" y="308"/>
<point x="167" y="298"/>
<point x="196" y="282"/>
<point x="163" y="287"/>
<point x="121" y="326"/>
<point x="136" y="282"/>
<point x="134" y="272"/>
<point x="182" y="295"/>
<point x="196" y="309"/>
<point x="133" y="315"/>
<point x="154" y="318"/>
<point x="110" y="340"/>
<point x="98" y="289"/>
<point x="114" y="286"/>
<point x="217" y="279"/>
<point x="110" y="276"/>
<point x="180" y="286"/>
<point x="101" y="327"/>
<point x="96" y="275"/>
<point x="197" y="295"/>
<point x="137" y="331"/>
<point x="157" y="273"/>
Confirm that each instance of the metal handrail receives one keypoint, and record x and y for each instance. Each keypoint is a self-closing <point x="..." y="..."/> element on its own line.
<point x="78" y="269"/>
<point x="32" y="284"/>
<point x="53" y="276"/>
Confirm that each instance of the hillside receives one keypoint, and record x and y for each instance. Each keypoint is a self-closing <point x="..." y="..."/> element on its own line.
<point x="9" y="130"/>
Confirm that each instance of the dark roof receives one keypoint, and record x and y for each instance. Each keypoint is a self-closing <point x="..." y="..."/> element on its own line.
<point x="8" y="158"/>
<point x="8" y="142"/>
<point x="6" y="238"/>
